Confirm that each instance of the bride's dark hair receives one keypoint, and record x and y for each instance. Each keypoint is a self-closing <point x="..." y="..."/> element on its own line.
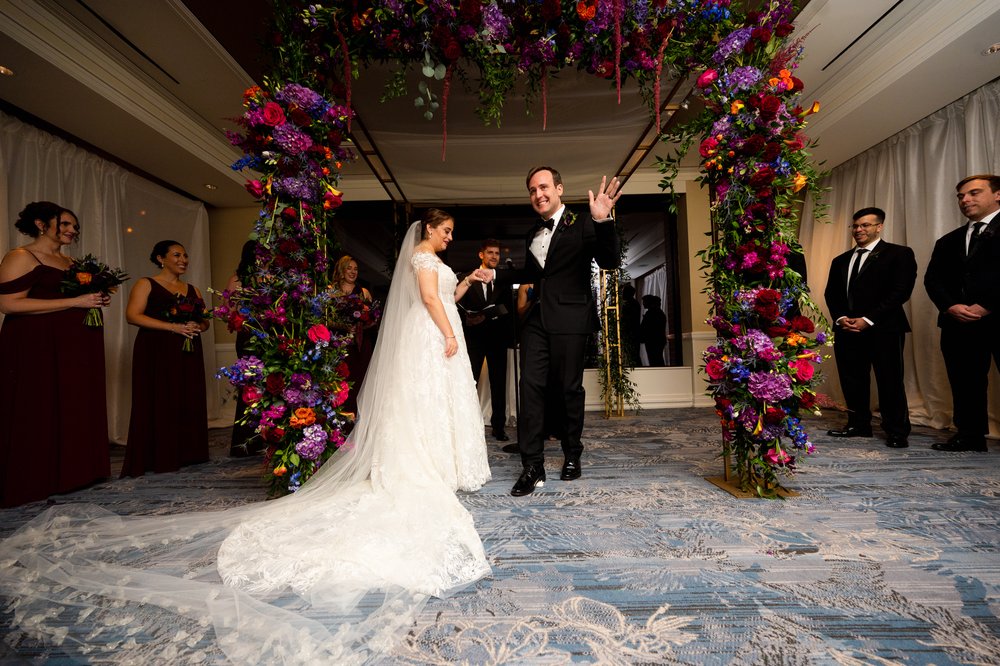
<point x="433" y="218"/>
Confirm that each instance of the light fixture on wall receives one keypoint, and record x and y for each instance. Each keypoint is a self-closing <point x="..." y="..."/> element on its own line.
<point x="6" y="71"/>
<point x="209" y="186"/>
<point x="992" y="49"/>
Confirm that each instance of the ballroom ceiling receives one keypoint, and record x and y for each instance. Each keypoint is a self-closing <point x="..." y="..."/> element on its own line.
<point x="154" y="84"/>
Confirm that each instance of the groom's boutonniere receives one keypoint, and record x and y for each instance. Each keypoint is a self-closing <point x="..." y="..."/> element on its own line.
<point x="568" y="220"/>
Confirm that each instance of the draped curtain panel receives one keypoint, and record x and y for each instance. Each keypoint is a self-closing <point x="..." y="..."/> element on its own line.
<point x="121" y="217"/>
<point x="912" y="176"/>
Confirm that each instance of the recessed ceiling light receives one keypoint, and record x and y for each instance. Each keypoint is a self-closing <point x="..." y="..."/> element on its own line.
<point x="209" y="186"/>
<point x="992" y="49"/>
<point x="6" y="71"/>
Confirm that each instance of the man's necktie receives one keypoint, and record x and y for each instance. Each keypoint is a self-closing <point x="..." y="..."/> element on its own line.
<point x="858" y="255"/>
<point x="977" y="228"/>
<point x="489" y="292"/>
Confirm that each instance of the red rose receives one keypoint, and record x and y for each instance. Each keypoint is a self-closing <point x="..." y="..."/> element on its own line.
<point x="318" y="333"/>
<point x="764" y="177"/>
<point x="807" y="400"/>
<point x="275" y="383"/>
<point x="453" y="51"/>
<point x="715" y="369"/>
<point x="273" y="114"/>
<point x="804" y="369"/>
<point x="771" y="151"/>
<point x="255" y="188"/>
<point x="300" y="117"/>
<point x="753" y="145"/>
<point x="802" y="324"/>
<point x="769" y="107"/>
<point x="774" y="415"/>
<point x="708" y="147"/>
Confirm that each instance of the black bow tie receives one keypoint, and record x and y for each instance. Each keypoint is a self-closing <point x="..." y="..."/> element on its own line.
<point x="542" y="223"/>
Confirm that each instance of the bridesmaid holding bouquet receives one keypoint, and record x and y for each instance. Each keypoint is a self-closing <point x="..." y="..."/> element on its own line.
<point x="53" y="410"/>
<point x="168" y="427"/>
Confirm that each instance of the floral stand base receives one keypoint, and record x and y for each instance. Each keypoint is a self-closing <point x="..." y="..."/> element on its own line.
<point x="733" y="488"/>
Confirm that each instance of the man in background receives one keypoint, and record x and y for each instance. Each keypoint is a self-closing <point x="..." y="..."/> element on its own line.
<point x="488" y="326"/>
<point x="865" y="292"/>
<point x="963" y="280"/>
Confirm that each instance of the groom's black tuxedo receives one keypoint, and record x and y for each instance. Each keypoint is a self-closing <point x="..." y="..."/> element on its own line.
<point x="878" y="292"/>
<point x="555" y="330"/>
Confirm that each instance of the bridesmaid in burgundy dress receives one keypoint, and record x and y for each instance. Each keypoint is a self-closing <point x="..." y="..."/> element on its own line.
<point x="168" y="427"/>
<point x="53" y="411"/>
<point x="359" y="354"/>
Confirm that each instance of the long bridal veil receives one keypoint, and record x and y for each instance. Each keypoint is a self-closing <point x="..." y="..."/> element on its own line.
<point x="335" y="573"/>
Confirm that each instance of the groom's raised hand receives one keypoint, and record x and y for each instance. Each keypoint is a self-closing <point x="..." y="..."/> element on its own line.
<point x="602" y="203"/>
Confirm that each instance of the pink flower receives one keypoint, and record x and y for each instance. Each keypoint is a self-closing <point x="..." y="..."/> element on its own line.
<point x="256" y="188"/>
<point x="251" y="394"/>
<point x="707" y="78"/>
<point x="776" y="457"/>
<point x="803" y="368"/>
<point x="715" y="369"/>
<point x="318" y="333"/>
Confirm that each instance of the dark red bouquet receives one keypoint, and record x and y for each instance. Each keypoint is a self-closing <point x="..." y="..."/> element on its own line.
<point x="183" y="310"/>
<point x="90" y="276"/>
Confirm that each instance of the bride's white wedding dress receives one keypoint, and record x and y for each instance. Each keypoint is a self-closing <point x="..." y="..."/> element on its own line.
<point x="335" y="573"/>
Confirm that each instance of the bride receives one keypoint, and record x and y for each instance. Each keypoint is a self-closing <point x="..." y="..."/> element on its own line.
<point x="335" y="573"/>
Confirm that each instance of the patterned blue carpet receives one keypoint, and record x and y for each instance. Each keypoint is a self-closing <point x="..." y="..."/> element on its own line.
<point x="885" y="556"/>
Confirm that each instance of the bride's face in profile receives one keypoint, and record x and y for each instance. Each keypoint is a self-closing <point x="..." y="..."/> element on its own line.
<point x="440" y="236"/>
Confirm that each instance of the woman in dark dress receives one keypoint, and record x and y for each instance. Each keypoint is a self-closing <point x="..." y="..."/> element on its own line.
<point x="359" y="354"/>
<point x="53" y="411"/>
<point x="245" y="440"/>
<point x="168" y="427"/>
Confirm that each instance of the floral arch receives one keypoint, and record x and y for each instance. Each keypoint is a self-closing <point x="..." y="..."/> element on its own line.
<point x="754" y="160"/>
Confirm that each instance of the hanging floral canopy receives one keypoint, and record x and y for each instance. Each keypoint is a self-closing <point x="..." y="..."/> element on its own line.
<point x="754" y="160"/>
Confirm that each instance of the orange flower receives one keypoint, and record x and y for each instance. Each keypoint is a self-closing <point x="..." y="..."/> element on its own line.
<point x="586" y="11"/>
<point x="84" y="278"/>
<point x="280" y="470"/>
<point x="735" y="107"/>
<point x="250" y="93"/>
<point x="799" y="182"/>
<point x="303" y="416"/>
<point x="811" y="110"/>
<point x="794" y="339"/>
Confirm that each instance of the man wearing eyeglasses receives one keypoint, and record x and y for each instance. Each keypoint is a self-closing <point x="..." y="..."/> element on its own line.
<point x="865" y="292"/>
<point x="963" y="280"/>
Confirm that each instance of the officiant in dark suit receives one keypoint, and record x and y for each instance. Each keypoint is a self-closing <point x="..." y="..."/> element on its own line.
<point x="560" y="249"/>
<point x="963" y="280"/>
<point x="865" y="292"/>
<point x="488" y="323"/>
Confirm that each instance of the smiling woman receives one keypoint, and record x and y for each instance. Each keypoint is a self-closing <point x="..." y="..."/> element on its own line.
<point x="53" y="415"/>
<point x="168" y="427"/>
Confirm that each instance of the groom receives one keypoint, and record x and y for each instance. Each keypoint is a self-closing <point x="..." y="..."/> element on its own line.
<point x="561" y="246"/>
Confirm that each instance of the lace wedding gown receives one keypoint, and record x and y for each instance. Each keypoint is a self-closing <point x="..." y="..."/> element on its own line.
<point x="334" y="573"/>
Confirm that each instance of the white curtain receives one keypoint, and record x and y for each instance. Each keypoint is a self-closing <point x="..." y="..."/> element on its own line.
<point x="121" y="217"/>
<point x="912" y="176"/>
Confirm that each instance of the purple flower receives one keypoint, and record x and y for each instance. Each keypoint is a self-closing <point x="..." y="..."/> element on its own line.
<point x="298" y="188"/>
<point x="496" y="26"/>
<point x="300" y="96"/>
<point x="313" y="442"/>
<point x="730" y="44"/>
<point x="290" y="139"/>
<point x="770" y="387"/>
<point x="742" y="78"/>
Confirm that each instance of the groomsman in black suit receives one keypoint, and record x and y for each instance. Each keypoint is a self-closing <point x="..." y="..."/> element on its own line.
<point x="560" y="249"/>
<point x="488" y="325"/>
<point x="963" y="280"/>
<point x="865" y="292"/>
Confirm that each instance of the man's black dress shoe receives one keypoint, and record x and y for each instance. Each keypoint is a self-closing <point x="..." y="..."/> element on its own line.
<point x="850" y="431"/>
<point x="896" y="442"/>
<point x="500" y="436"/>
<point x="512" y="448"/>
<point x="531" y="477"/>
<point x="571" y="469"/>
<point x="960" y="443"/>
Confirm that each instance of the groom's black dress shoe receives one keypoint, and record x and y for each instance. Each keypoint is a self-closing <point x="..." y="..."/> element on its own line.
<point x="500" y="436"/>
<point x="962" y="443"/>
<point x="571" y="469"/>
<point x="531" y="477"/>
<point x="896" y="442"/>
<point x="850" y="431"/>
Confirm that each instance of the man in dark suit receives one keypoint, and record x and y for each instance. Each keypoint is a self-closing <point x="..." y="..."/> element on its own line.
<point x="653" y="331"/>
<point x="560" y="249"/>
<point x="488" y="325"/>
<point x="963" y="280"/>
<point x="865" y="292"/>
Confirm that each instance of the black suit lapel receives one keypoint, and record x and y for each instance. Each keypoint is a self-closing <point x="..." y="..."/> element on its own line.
<point x="872" y="258"/>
